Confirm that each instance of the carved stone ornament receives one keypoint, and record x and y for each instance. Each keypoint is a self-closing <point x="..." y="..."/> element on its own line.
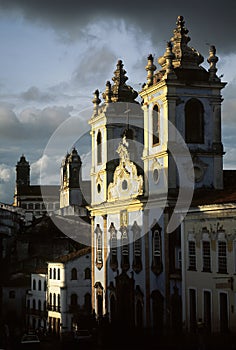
<point x="156" y="170"/>
<point x="126" y="182"/>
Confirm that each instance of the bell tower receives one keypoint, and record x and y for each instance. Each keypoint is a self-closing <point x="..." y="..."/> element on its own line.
<point x="22" y="178"/>
<point x="22" y="172"/>
<point x="120" y="115"/>
<point x="117" y="144"/>
<point x="70" y="192"/>
<point x="182" y="96"/>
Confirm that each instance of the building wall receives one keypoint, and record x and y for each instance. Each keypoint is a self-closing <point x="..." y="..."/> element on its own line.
<point x="36" y="302"/>
<point x="211" y="224"/>
<point x="71" y="288"/>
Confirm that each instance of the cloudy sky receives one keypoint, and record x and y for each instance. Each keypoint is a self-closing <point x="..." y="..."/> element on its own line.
<point x="55" y="53"/>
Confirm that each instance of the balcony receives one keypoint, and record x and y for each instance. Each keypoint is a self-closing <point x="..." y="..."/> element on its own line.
<point x="55" y="308"/>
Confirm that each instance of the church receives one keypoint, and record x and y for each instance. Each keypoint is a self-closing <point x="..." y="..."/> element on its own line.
<point x="161" y="207"/>
<point x="150" y="162"/>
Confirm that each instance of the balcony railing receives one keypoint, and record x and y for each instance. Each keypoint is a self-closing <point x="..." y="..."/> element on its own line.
<point x="54" y="308"/>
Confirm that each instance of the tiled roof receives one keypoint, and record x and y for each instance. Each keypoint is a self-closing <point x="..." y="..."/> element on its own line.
<point x="72" y="256"/>
<point x="41" y="270"/>
<point x="211" y="196"/>
<point x="35" y="190"/>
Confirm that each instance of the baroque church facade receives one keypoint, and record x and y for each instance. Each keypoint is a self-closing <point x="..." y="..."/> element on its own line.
<point x="157" y="191"/>
<point x="144" y="158"/>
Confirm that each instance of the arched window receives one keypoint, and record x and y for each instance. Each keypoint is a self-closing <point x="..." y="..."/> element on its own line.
<point x="87" y="303"/>
<point x="192" y="264"/>
<point x="99" y="252"/>
<point x="87" y="273"/>
<point x="194" y="121"/>
<point x="206" y="256"/>
<point x="99" y="147"/>
<point x="137" y="248"/>
<point x="54" y="273"/>
<point x="34" y="284"/>
<point x="73" y="299"/>
<point x="222" y="256"/>
<point x="34" y="304"/>
<point x="125" y="242"/>
<point x="156" y="244"/>
<point x="155" y="125"/>
<point x="39" y="285"/>
<point x="74" y="274"/>
<point x="156" y="250"/>
<point x="54" y="301"/>
<point x="50" y="273"/>
<point x="58" y="274"/>
<point x="124" y="249"/>
<point x="58" y="302"/>
<point x="39" y="305"/>
<point x="113" y="240"/>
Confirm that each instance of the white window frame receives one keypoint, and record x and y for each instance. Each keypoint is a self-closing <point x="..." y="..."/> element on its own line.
<point x="206" y="256"/>
<point x="192" y="255"/>
<point x="225" y="256"/>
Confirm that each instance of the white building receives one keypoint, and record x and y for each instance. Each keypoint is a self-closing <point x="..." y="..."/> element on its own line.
<point x="139" y="167"/>
<point x="209" y="263"/>
<point x="36" y="307"/>
<point x="69" y="291"/>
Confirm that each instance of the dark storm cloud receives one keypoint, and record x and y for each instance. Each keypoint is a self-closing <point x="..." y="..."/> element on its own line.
<point x="208" y="22"/>
<point x="93" y="70"/>
<point x="34" y="94"/>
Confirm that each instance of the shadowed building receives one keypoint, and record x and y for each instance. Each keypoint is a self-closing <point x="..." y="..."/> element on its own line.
<point x="36" y="200"/>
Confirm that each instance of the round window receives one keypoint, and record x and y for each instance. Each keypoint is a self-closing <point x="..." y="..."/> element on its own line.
<point x="99" y="188"/>
<point x="155" y="175"/>
<point x="124" y="185"/>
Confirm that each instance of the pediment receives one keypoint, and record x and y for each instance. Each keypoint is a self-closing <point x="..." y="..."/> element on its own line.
<point x="126" y="181"/>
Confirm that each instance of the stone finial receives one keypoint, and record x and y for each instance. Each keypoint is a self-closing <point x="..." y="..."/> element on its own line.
<point x="212" y="60"/>
<point x="185" y="56"/>
<point x="169" y="56"/>
<point x="119" y="91"/>
<point x="96" y="101"/>
<point x="150" y="68"/>
<point x="119" y="74"/>
<point x="108" y="92"/>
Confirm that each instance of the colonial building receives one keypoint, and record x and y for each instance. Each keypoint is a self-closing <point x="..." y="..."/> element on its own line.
<point x="36" y="307"/>
<point x="147" y="159"/>
<point x="13" y="300"/>
<point x="69" y="291"/>
<point x="208" y="239"/>
<point x="36" y="200"/>
<point x="10" y="226"/>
